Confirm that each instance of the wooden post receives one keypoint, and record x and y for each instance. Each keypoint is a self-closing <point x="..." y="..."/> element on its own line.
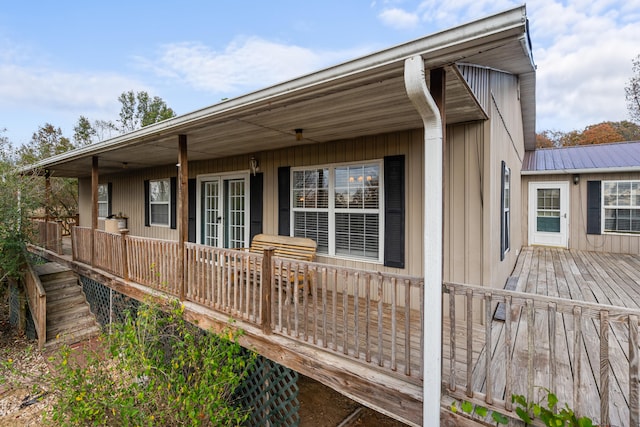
<point x="94" y="205"/>
<point x="266" y="291"/>
<point x="183" y="211"/>
<point x="44" y="239"/>
<point x="125" y="259"/>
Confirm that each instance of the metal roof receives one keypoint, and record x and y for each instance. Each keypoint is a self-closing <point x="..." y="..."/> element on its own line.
<point x="614" y="157"/>
<point x="365" y="96"/>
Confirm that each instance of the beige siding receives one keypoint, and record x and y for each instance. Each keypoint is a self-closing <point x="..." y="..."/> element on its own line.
<point x="463" y="203"/>
<point x="578" y="237"/>
<point x="507" y="143"/>
<point x="128" y="190"/>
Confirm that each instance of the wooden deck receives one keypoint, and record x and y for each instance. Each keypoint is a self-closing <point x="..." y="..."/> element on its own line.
<point x="552" y="334"/>
<point x="568" y="292"/>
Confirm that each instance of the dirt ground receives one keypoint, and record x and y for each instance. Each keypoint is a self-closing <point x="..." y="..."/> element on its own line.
<point x="25" y="392"/>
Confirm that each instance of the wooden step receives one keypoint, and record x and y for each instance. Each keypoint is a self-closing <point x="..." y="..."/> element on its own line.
<point x="55" y="284"/>
<point x="72" y="327"/>
<point x="64" y="303"/>
<point x="71" y="312"/>
<point x="73" y="337"/>
<point x="61" y="294"/>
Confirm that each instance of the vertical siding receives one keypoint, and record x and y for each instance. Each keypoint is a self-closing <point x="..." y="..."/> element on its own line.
<point x="463" y="203"/>
<point x="578" y="237"/>
<point x="507" y="143"/>
<point x="478" y="80"/>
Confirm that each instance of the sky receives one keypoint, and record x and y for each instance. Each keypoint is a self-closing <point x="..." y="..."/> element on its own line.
<point x="60" y="60"/>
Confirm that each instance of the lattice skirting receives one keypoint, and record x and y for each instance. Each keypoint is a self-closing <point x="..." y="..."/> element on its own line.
<point x="270" y="392"/>
<point x="14" y="305"/>
<point x="107" y="305"/>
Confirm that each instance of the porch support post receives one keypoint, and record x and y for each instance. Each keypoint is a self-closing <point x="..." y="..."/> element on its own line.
<point x="94" y="206"/>
<point x="183" y="210"/>
<point x="44" y="239"/>
<point x="416" y="86"/>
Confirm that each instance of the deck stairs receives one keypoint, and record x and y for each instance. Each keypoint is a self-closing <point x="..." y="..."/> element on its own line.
<point x="69" y="318"/>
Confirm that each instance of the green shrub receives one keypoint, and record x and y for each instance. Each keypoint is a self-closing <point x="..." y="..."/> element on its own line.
<point x="153" y="369"/>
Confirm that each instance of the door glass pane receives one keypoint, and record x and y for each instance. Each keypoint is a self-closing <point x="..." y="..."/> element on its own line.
<point x="211" y="213"/>
<point x="236" y="225"/>
<point x="548" y="210"/>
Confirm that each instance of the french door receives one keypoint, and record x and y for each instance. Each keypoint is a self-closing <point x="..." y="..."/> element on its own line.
<point x="223" y="211"/>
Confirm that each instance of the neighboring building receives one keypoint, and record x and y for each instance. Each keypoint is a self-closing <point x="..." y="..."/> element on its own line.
<point x="583" y="197"/>
<point x="404" y="161"/>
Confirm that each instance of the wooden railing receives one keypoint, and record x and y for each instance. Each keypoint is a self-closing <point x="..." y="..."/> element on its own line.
<point x="81" y="244"/>
<point x="225" y="280"/>
<point x="153" y="263"/>
<point x="585" y="353"/>
<point x="49" y="235"/>
<point x="362" y="315"/>
<point x="109" y="254"/>
<point x="345" y="310"/>
<point x="37" y="300"/>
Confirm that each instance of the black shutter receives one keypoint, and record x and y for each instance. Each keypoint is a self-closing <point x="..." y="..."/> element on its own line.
<point x="502" y="218"/>
<point x="594" y="209"/>
<point x="192" y="210"/>
<point x="255" y="213"/>
<point x="174" y="202"/>
<point x="147" y="222"/>
<point x="394" y="222"/>
<point x="284" y="203"/>
<point x="109" y="204"/>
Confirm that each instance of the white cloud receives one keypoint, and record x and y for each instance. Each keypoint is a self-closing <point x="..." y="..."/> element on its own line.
<point x="399" y="19"/>
<point x="245" y="64"/>
<point x="23" y="87"/>
<point x="583" y="50"/>
<point x="583" y="53"/>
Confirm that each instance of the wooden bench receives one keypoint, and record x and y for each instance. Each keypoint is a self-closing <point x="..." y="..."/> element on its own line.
<point x="294" y="248"/>
<point x="298" y="248"/>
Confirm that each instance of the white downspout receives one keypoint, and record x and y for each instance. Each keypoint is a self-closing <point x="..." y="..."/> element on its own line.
<point x="418" y="92"/>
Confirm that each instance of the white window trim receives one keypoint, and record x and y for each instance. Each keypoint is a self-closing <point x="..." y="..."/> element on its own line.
<point x="106" y="186"/>
<point x="332" y="210"/>
<point x="506" y="208"/>
<point x="604" y="207"/>
<point x="168" y="203"/>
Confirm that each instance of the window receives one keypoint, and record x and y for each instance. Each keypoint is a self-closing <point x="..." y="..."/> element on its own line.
<point x="505" y="220"/>
<point x="621" y="206"/>
<point x="339" y="207"/>
<point x="159" y="202"/>
<point x="103" y="200"/>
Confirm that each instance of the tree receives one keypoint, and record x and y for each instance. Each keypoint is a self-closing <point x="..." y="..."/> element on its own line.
<point x="46" y="142"/>
<point x="83" y="132"/>
<point x="140" y="110"/>
<point x="632" y="91"/>
<point x="599" y="134"/>
<point x="18" y="198"/>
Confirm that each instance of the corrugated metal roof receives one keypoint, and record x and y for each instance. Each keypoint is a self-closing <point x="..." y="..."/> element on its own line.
<point x="619" y="156"/>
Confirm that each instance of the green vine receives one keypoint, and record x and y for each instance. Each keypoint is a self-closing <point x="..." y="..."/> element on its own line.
<point x="546" y="410"/>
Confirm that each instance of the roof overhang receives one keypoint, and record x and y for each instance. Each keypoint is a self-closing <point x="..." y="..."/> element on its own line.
<point x="365" y="96"/>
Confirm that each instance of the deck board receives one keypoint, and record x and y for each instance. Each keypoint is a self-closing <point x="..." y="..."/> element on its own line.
<point x="602" y="278"/>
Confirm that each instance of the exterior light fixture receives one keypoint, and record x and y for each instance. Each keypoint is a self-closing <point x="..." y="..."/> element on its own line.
<point x="253" y="165"/>
<point x="576" y="179"/>
<point x="298" y="134"/>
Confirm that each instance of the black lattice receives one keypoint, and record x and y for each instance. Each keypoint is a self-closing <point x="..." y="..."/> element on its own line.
<point x="271" y="390"/>
<point x="14" y="305"/>
<point x="106" y="303"/>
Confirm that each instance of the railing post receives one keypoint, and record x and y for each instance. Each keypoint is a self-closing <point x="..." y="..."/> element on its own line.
<point x="266" y="290"/>
<point x="125" y="259"/>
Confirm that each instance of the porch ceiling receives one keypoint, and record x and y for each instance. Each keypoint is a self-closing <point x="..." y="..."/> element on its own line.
<point x="363" y="97"/>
